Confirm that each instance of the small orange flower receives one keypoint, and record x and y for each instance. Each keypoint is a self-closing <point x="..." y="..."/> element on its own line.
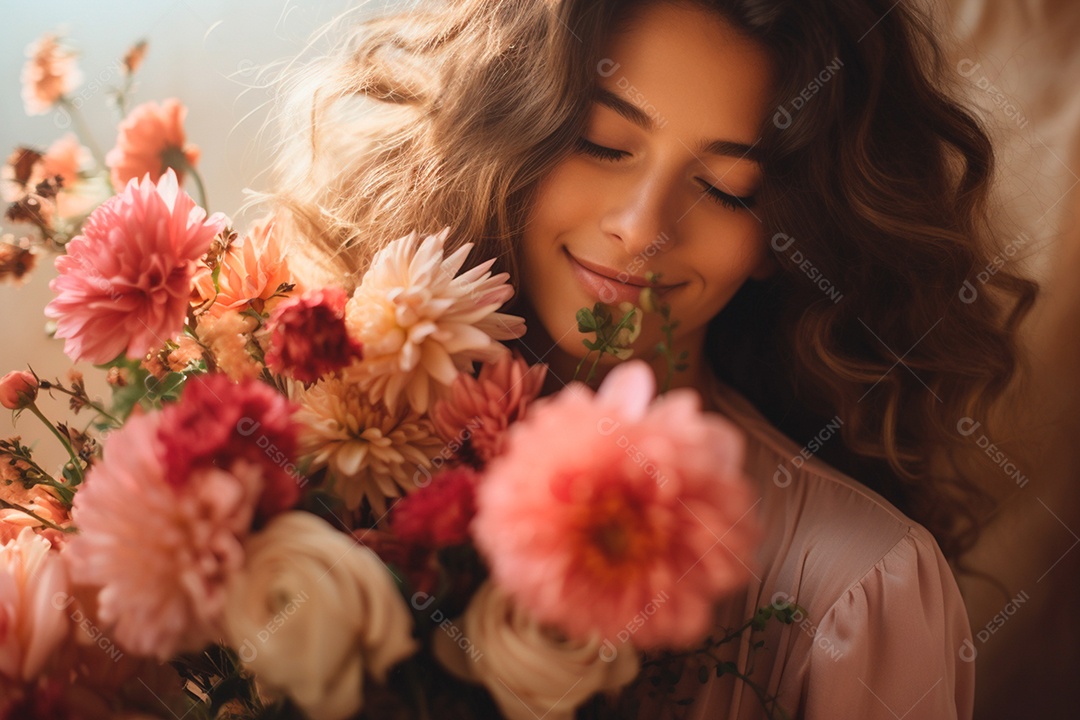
<point x="16" y="261"/>
<point x="251" y="272"/>
<point x="134" y="57"/>
<point x="49" y="74"/>
<point x="151" y="140"/>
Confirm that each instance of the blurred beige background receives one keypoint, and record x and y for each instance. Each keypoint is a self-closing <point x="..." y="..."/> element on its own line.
<point x="1021" y="64"/>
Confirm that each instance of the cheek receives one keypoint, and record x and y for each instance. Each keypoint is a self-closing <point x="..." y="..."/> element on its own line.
<point x="722" y="264"/>
<point x="558" y="208"/>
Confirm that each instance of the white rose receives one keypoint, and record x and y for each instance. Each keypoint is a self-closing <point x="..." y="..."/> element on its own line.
<point x="530" y="670"/>
<point x="311" y="611"/>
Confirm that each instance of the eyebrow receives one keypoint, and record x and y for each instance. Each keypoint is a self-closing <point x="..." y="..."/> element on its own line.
<point x="630" y="111"/>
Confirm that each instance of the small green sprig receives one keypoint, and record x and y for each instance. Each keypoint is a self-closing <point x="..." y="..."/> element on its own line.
<point x="650" y="302"/>
<point x="611" y="337"/>
<point x="785" y="612"/>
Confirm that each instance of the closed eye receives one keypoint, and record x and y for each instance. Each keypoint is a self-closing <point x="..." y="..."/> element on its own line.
<point x="733" y="202"/>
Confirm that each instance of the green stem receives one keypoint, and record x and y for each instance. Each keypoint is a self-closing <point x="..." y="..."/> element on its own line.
<point x="63" y="440"/>
<point x="200" y="189"/>
<point x="88" y="402"/>
<point x="4" y="504"/>
<point x="419" y="694"/>
<point x="84" y="130"/>
<point x="606" y="345"/>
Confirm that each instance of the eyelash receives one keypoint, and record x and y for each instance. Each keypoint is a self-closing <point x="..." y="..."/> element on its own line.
<point x="600" y="152"/>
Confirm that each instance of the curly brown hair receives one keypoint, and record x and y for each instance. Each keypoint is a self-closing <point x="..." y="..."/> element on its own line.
<point x="876" y="194"/>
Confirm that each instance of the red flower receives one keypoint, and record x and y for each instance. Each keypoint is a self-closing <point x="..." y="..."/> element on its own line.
<point x="219" y="423"/>
<point x="438" y="515"/>
<point x="308" y="338"/>
<point x="18" y="389"/>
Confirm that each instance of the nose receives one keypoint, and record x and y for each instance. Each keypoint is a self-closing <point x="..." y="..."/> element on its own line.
<point x="638" y="214"/>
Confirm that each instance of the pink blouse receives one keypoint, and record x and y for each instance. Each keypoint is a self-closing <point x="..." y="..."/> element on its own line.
<point x="885" y="622"/>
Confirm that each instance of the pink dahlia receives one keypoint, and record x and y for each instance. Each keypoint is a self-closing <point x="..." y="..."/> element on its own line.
<point x="439" y="514"/>
<point x="160" y="552"/>
<point x="218" y="423"/>
<point x="308" y="337"/>
<point x="125" y="282"/>
<point x="604" y="505"/>
<point x="151" y="140"/>
<point x="474" y="416"/>
<point x="50" y="73"/>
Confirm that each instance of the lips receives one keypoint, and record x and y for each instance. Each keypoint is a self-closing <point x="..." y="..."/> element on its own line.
<point x="608" y="285"/>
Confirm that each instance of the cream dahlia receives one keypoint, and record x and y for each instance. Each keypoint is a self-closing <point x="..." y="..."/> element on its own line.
<point x="125" y="282"/>
<point x="421" y="323"/>
<point x="372" y="452"/>
<point x="476" y="413"/>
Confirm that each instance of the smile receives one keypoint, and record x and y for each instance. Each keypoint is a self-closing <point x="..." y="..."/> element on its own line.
<point x="610" y="286"/>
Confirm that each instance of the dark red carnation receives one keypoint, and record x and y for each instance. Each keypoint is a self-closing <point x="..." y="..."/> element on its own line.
<point x="217" y="422"/>
<point x="438" y="515"/>
<point x="308" y="337"/>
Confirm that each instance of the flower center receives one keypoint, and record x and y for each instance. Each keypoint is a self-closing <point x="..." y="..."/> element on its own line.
<point x="617" y="535"/>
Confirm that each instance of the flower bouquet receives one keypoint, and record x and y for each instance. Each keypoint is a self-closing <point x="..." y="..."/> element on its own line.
<point x="303" y="502"/>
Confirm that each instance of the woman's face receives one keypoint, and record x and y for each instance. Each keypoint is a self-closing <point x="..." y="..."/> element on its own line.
<point x="663" y="180"/>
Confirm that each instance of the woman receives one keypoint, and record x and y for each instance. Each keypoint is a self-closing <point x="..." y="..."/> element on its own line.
<point x="816" y="208"/>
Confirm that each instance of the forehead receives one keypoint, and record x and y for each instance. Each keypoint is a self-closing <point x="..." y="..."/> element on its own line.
<point x="692" y="71"/>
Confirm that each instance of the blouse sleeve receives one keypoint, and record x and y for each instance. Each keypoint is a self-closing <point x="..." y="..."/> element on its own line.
<point x="890" y="646"/>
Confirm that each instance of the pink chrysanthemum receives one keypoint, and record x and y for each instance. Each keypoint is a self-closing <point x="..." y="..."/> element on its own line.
<point x="439" y="514"/>
<point x="160" y="552"/>
<point x="308" y="337"/>
<point x="251" y="271"/>
<point x="421" y="323"/>
<point x="475" y="414"/>
<point x="49" y="74"/>
<point x="151" y="140"/>
<point x="125" y="282"/>
<point x="601" y="505"/>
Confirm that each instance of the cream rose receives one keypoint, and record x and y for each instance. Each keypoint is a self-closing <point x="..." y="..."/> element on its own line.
<point x="311" y="611"/>
<point x="530" y="670"/>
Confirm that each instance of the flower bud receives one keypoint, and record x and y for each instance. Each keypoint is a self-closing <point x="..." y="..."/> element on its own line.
<point x="18" y="389"/>
<point x="647" y="300"/>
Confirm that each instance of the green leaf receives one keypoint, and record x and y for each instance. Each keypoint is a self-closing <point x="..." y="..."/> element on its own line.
<point x="586" y="321"/>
